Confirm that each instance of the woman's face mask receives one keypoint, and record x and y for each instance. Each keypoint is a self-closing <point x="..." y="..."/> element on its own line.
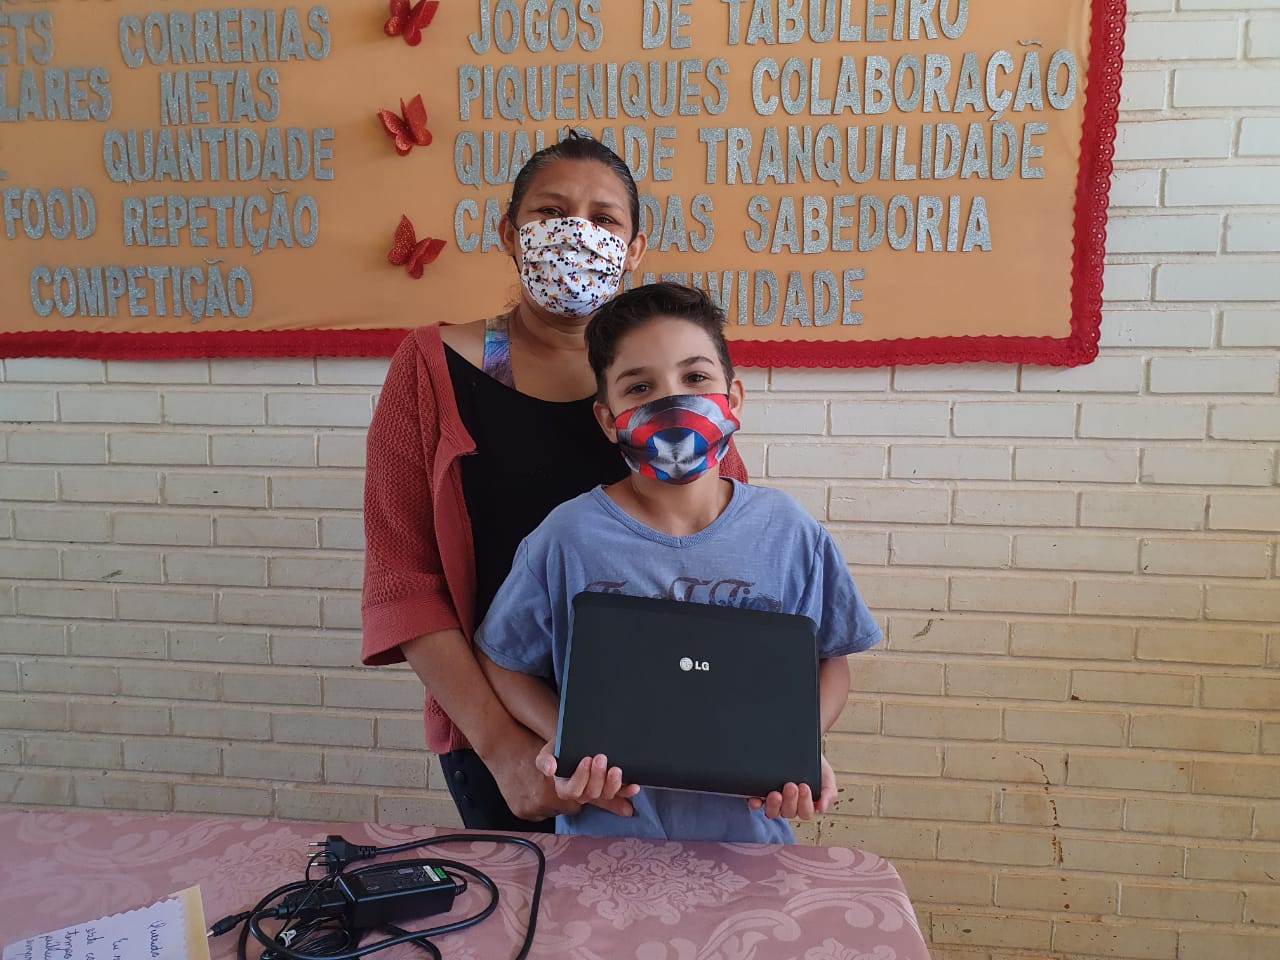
<point x="569" y="265"/>
<point x="678" y="438"/>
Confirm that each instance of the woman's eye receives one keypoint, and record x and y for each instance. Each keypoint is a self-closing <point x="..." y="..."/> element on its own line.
<point x="606" y="219"/>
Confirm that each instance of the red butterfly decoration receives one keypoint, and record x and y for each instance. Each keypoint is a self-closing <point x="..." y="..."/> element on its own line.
<point x="411" y="253"/>
<point x="409" y="127"/>
<point x="409" y="21"/>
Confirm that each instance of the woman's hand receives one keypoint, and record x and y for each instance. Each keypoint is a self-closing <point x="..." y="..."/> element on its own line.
<point x="594" y="782"/>
<point x="797" y="802"/>
<point x="530" y="795"/>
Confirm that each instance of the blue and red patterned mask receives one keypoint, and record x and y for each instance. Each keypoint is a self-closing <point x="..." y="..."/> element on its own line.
<point x="676" y="439"/>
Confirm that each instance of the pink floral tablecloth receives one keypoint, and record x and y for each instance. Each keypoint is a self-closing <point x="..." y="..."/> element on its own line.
<point x="602" y="898"/>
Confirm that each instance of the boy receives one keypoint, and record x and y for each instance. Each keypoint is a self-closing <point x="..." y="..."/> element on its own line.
<point x="667" y="395"/>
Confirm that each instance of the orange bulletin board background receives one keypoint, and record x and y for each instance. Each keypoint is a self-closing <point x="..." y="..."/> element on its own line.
<point x="858" y="182"/>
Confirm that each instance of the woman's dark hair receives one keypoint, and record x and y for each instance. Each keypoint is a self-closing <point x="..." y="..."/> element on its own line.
<point x="576" y="145"/>
<point x="639" y="306"/>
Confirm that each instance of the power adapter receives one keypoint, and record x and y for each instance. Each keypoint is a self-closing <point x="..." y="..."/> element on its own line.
<point x="401" y="890"/>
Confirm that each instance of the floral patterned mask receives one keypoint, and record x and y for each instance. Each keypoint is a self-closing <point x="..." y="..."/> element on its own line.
<point x="569" y="265"/>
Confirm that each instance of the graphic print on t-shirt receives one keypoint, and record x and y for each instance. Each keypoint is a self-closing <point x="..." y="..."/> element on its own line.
<point x="718" y="592"/>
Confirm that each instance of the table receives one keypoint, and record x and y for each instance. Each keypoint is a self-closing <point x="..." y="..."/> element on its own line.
<point x="603" y="898"/>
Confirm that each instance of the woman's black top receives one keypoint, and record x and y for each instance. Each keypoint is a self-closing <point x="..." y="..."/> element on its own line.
<point x="531" y="456"/>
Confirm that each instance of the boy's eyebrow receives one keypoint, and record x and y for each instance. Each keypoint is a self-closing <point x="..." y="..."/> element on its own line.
<point x="687" y="362"/>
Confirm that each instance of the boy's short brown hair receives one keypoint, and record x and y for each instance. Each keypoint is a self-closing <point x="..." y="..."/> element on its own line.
<point x="640" y="305"/>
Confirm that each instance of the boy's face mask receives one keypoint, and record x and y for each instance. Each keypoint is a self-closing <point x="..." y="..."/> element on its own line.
<point x="569" y="265"/>
<point x="676" y="439"/>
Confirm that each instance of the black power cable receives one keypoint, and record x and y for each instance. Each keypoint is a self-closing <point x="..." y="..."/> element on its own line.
<point x="315" y="911"/>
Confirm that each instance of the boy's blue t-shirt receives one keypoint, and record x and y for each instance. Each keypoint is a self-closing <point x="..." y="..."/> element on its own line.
<point x="764" y="552"/>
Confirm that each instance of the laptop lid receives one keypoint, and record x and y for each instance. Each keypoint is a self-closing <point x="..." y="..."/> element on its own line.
<point x="691" y="696"/>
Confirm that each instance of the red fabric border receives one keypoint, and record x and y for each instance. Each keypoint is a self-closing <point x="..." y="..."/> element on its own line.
<point x="381" y="342"/>
<point x="1097" y="148"/>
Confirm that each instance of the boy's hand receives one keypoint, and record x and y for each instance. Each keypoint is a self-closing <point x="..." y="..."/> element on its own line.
<point x="594" y="782"/>
<point x="797" y="802"/>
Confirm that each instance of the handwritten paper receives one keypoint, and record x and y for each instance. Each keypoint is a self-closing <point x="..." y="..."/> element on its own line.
<point x="170" y="929"/>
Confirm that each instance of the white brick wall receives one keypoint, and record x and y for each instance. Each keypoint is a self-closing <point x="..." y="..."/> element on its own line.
<point x="1258" y="136"/>
<point x="1069" y="742"/>
<point x="1251" y="328"/>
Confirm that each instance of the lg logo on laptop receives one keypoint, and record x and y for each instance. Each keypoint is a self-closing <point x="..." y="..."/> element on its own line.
<point x="686" y="664"/>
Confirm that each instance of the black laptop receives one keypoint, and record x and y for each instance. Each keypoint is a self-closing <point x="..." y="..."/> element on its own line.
<point x="691" y="696"/>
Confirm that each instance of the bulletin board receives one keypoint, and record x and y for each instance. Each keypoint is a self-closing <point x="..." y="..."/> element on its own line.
<point x="856" y="182"/>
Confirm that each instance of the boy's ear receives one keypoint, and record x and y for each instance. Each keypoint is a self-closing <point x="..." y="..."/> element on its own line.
<point x="604" y="417"/>
<point x="737" y="397"/>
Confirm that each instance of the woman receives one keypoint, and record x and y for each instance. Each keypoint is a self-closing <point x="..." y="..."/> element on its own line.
<point x="480" y="430"/>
